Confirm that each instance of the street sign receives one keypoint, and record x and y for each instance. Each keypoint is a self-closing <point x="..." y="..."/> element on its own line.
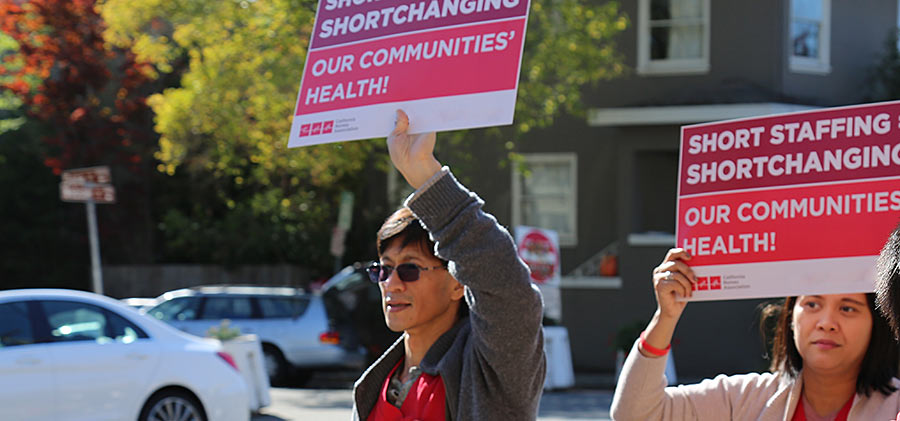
<point x="539" y="249"/>
<point x="77" y="192"/>
<point x="98" y="175"/>
<point x="89" y="186"/>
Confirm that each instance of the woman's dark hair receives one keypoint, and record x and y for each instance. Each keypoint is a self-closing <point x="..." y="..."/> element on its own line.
<point x="887" y="281"/>
<point x="879" y="364"/>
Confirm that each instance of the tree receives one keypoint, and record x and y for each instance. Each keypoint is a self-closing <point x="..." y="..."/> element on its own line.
<point x="90" y="101"/>
<point x="224" y="129"/>
<point x="883" y="80"/>
<point x="65" y="76"/>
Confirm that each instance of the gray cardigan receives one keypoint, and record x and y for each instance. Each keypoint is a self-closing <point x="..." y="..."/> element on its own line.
<point x="492" y="360"/>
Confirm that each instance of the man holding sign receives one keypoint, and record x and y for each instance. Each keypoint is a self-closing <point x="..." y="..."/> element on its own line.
<point x="451" y="280"/>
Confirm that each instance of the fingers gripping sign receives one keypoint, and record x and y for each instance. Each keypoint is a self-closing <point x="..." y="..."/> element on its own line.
<point x="412" y="154"/>
<point x="673" y="282"/>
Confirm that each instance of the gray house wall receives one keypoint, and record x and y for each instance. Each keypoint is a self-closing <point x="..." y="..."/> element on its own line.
<point x="747" y="45"/>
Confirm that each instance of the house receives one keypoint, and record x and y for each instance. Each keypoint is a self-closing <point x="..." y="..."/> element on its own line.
<point x="609" y="183"/>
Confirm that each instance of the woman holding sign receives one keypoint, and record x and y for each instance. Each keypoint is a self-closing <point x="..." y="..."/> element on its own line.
<point x="833" y="358"/>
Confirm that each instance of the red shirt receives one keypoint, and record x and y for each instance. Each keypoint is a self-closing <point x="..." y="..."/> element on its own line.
<point x="800" y="413"/>
<point x="426" y="401"/>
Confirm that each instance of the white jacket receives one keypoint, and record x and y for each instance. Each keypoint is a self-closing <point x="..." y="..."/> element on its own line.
<point x="641" y="394"/>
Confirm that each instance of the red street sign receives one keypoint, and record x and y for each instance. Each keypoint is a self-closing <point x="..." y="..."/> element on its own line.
<point x="98" y="175"/>
<point x="77" y="192"/>
<point x="538" y="253"/>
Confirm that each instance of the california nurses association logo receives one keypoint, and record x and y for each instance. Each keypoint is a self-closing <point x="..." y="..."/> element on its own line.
<point x="706" y="283"/>
<point x="317" y="128"/>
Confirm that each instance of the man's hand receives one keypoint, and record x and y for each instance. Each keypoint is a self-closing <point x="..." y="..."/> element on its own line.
<point x="413" y="155"/>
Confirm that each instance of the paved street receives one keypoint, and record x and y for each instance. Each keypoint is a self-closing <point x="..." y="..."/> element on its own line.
<point x="294" y="404"/>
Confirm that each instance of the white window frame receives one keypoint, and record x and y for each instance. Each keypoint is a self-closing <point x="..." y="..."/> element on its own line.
<point x="816" y="66"/>
<point x="566" y="239"/>
<point x="646" y="66"/>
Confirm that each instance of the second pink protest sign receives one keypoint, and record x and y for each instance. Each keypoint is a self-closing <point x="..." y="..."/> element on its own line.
<point x="789" y="204"/>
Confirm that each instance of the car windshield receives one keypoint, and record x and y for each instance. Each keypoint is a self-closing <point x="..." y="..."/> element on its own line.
<point x="282" y="307"/>
<point x="179" y="308"/>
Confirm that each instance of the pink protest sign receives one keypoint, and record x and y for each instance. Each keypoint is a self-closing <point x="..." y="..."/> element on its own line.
<point x="450" y="64"/>
<point x="789" y="204"/>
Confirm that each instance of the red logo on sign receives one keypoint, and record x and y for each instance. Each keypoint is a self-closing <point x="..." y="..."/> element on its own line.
<point x="539" y="254"/>
<point x="715" y="282"/>
<point x="304" y="130"/>
<point x="316" y="129"/>
<point x="327" y="127"/>
<point x="703" y="283"/>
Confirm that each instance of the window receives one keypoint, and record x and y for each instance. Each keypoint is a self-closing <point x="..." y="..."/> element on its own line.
<point x="810" y="33"/>
<point x="227" y="308"/>
<point x="72" y="321"/>
<point x="655" y="191"/>
<point x="15" y="326"/>
<point x="282" y="307"/>
<point x="673" y="36"/>
<point x="544" y="195"/>
<point x="178" y="309"/>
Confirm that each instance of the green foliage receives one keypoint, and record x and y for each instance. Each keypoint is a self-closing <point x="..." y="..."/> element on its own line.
<point x="884" y="79"/>
<point x="224" y="128"/>
<point x="224" y="331"/>
<point x="627" y="334"/>
<point x="43" y="240"/>
<point x="9" y="103"/>
<point x="570" y="45"/>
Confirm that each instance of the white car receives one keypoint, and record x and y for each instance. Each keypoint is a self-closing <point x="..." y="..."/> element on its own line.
<point x="291" y="324"/>
<point x="72" y="355"/>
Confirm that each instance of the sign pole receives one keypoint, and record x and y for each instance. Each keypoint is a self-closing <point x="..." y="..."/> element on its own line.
<point x="90" y="186"/>
<point x="97" y="274"/>
<point x="339" y="234"/>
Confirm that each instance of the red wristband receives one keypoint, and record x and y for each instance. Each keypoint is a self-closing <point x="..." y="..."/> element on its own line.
<point x="651" y="349"/>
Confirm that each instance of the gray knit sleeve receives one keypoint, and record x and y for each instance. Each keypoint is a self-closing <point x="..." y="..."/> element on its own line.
<point x="505" y="308"/>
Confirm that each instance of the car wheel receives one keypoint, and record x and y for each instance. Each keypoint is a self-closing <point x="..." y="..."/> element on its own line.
<point x="276" y="366"/>
<point x="172" y="406"/>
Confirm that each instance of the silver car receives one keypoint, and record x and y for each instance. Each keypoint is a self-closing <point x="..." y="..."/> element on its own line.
<point x="291" y="324"/>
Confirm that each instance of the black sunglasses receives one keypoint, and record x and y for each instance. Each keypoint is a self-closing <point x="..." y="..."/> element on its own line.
<point x="408" y="272"/>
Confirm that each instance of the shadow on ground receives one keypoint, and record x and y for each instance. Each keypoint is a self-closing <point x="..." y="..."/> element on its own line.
<point x="264" y="417"/>
<point x="326" y="379"/>
<point x="576" y="404"/>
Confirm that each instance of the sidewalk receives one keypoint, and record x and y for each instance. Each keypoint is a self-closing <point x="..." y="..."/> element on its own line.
<point x="335" y="404"/>
<point x="575" y="405"/>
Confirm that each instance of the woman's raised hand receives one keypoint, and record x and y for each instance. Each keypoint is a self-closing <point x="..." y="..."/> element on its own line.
<point x="673" y="279"/>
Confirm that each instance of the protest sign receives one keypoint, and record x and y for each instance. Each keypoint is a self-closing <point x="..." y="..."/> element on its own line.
<point x="450" y="64"/>
<point x="789" y="204"/>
